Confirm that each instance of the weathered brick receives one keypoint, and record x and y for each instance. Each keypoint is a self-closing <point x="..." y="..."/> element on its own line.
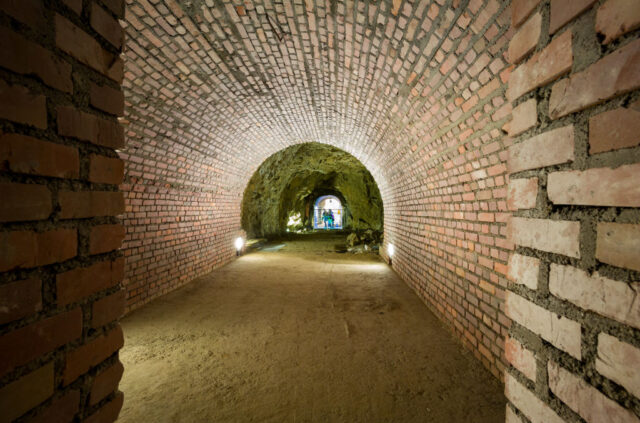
<point x="107" y="99"/>
<point x="20" y="396"/>
<point x="20" y="105"/>
<point x="105" y="383"/>
<point x="615" y="129"/>
<point x="619" y="362"/>
<point x="105" y="170"/>
<point x="84" y="48"/>
<point x="61" y="410"/>
<point x="79" y="361"/>
<point x="554" y="236"/>
<point x="563" y="11"/>
<point x="27" y="343"/>
<point x="75" y="5"/>
<point x="521" y="9"/>
<point x="617" y="17"/>
<point x="524" y="270"/>
<point x="83" y="204"/>
<point x="526" y="39"/>
<point x="520" y="357"/>
<point x="524" y="116"/>
<point x="584" y="399"/>
<point x="511" y="417"/>
<point x="30" y="12"/>
<point x="116" y="6"/>
<point x="610" y="298"/>
<point x="108" y="309"/>
<point x="560" y="331"/>
<point x="25" y="249"/>
<point x="543" y="67"/>
<point x="596" y="187"/>
<point x="88" y="127"/>
<point x="19" y="299"/>
<point x="77" y="284"/>
<point x="522" y="193"/>
<point x="28" y="58"/>
<point x="105" y="238"/>
<point x="109" y="412"/>
<point x="106" y="25"/>
<point x="529" y="404"/>
<point x="619" y="244"/>
<point x="22" y="154"/>
<point x="617" y="73"/>
<point x="21" y="202"/>
<point x="546" y="149"/>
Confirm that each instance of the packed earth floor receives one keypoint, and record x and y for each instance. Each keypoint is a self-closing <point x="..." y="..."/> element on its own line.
<point x="297" y="332"/>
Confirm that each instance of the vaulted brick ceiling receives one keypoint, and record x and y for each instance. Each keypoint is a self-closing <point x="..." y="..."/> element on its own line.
<point x="214" y="87"/>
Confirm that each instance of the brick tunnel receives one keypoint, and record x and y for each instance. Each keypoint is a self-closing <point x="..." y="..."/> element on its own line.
<point x="503" y="137"/>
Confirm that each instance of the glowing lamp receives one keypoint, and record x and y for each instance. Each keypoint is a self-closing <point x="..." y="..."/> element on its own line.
<point x="390" y="251"/>
<point x="239" y="245"/>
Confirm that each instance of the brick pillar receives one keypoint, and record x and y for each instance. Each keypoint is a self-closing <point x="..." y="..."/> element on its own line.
<point x="574" y="346"/>
<point x="60" y="297"/>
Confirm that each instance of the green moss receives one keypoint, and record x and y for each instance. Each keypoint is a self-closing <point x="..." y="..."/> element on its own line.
<point x="289" y="182"/>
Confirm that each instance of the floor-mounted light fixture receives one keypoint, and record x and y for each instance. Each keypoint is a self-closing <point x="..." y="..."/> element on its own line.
<point x="239" y="245"/>
<point x="390" y="251"/>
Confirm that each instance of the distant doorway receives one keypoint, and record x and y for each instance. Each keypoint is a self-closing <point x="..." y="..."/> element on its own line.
<point x="327" y="213"/>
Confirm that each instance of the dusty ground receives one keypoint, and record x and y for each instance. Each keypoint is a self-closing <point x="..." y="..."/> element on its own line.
<point x="299" y="334"/>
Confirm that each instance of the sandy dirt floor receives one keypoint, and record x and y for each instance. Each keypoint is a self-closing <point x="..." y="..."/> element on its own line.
<point x="299" y="334"/>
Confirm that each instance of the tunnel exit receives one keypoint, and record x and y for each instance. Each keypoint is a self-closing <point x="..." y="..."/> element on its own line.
<point x="327" y="213"/>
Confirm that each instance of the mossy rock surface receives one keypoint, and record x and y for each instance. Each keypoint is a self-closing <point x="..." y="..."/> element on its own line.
<point x="291" y="180"/>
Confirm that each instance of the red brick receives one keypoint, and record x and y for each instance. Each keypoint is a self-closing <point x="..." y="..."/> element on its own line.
<point x="562" y="332"/>
<point x="84" y="48"/>
<point x="25" y="249"/>
<point x="25" y="57"/>
<point x="549" y="148"/>
<point x="619" y="362"/>
<point x="91" y="354"/>
<point x="554" y="236"/>
<point x="116" y="6"/>
<point x="520" y="358"/>
<point x="106" y="170"/>
<point x="107" y="99"/>
<point x="83" y="204"/>
<point x="545" y="66"/>
<point x="109" y="412"/>
<point x="596" y="187"/>
<point x="563" y="11"/>
<point x="61" y="410"/>
<point x="522" y="193"/>
<point x="19" y="299"/>
<point x="610" y="298"/>
<point x="88" y="127"/>
<point x="525" y="116"/>
<point x="77" y="284"/>
<point x="529" y="404"/>
<point x="20" y="396"/>
<point x="619" y="244"/>
<point x="108" y="309"/>
<point x="489" y="88"/>
<point x="615" y="129"/>
<point x="22" y="202"/>
<point x="22" y="154"/>
<point x="584" y="399"/>
<point x="524" y="270"/>
<point x="106" y="25"/>
<point x="617" y="17"/>
<point x="75" y="5"/>
<point x="30" y="12"/>
<point x="27" y="343"/>
<point x="105" y="238"/>
<point x="615" y="74"/>
<point x="521" y="9"/>
<point x="105" y="383"/>
<point x="526" y="39"/>
<point x="20" y="105"/>
<point x="510" y="416"/>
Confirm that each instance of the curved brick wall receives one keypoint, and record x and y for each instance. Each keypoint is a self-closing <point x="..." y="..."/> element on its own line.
<point x="469" y="115"/>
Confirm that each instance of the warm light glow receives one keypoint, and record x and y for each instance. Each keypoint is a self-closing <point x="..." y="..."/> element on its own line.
<point x="390" y="250"/>
<point x="239" y="243"/>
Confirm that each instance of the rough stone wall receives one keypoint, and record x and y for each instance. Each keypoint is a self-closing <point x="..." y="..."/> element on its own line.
<point x="574" y="347"/>
<point x="60" y="296"/>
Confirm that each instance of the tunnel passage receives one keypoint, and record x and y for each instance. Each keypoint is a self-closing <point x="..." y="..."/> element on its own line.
<point x="283" y="191"/>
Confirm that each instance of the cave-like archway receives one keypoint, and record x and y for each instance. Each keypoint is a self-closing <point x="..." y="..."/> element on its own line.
<point x="281" y="195"/>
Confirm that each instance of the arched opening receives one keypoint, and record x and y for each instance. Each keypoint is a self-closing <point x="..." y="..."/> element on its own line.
<point x="328" y="213"/>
